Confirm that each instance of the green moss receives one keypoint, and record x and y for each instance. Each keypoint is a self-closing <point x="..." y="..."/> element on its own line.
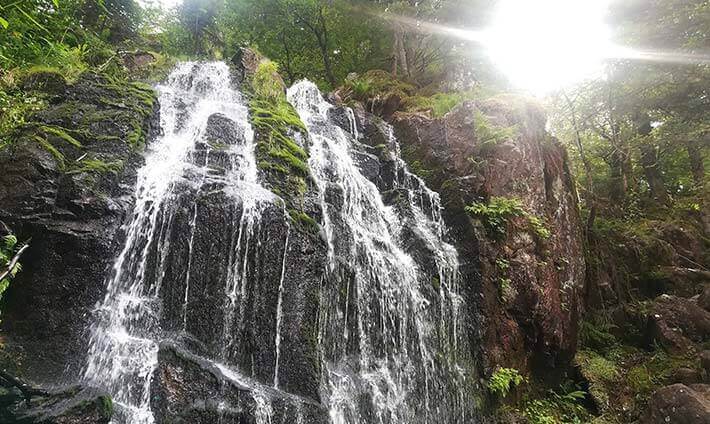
<point x="438" y="104"/>
<point x="436" y="282"/>
<point x="60" y="133"/>
<point x="304" y="221"/>
<point x="97" y="166"/>
<point x="601" y="373"/>
<point x="46" y="145"/>
<point x="105" y="405"/>
<point x="275" y="121"/>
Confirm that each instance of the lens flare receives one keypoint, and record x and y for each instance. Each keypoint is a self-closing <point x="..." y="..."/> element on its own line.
<point x="549" y="44"/>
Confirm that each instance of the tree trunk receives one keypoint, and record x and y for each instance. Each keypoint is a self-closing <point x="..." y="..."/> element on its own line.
<point x="654" y="178"/>
<point x="617" y="191"/>
<point x="649" y="161"/>
<point x="400" y="53"/>
<point x="697" y="167"/>
<point x="591" y="202"/>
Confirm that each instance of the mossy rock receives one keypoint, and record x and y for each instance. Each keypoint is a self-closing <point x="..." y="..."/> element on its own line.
<point x="43" y="79"/>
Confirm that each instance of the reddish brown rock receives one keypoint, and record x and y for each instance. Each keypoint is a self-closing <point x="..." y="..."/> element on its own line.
<point x="704" y="298"/>
<point x="677" y="322"/>
<point x="532" y="306"/>
<point x="679" y="404"/>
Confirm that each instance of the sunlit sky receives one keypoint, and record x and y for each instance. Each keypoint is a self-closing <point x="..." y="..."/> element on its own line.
<point x="546" y="44"/>
<point x="541" y="45"/>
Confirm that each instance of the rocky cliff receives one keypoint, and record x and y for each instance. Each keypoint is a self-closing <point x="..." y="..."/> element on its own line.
<point x="333" y="273"/>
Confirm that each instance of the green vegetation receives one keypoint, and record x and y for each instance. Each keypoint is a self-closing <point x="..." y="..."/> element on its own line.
<point x="439" y="104"/>
<point x="278" y="154"/>
<point x="558" y="406"/>
<point x="498" y="214"/>
<point x="488" y="133"/>
<point x="504" y="380"/>
<point x="304" y="221"/>
<point x="377" y="84"/>
<point x="8" y="246"/>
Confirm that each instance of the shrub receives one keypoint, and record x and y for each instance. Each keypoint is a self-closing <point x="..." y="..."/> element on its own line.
<point x="7" y="249"/>
<point x="497" y="213"/>
<point x="488" y="133"/>
<point x="504" y="380"/>
<point x="266" y="82"/>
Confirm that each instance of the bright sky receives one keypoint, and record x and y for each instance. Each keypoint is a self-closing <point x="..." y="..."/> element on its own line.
<point x="546" y="44"/>
<point x="541" y="45"/>
<point x="165" y="4"/>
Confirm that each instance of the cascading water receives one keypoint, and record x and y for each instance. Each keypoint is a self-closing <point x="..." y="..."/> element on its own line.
<point x="132" y="320"/>
<point x="219" y="308"/>
<point x="391" y="356"/>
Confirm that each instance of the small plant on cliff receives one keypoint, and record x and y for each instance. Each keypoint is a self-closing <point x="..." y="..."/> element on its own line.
<point x="504" y="380"/>
<point x="7" y="251"/>
<point x="488" y="133"/>
<point x="267" y="83"/>
<point x="499" y="211"/>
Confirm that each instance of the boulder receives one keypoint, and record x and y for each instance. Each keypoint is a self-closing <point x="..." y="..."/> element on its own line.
<point x="677" y="323"/>
<point x="678" y="404"/>
<point x="704" y="298"/>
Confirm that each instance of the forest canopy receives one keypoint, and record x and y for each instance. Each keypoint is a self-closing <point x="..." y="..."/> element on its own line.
<point x="637" y="129"/>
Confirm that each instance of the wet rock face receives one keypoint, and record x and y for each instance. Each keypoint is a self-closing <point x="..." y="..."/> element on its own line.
<point x="76" y="405"/>
<point x="66" y="184"/>
<point x="527" y="287"/>
<point x="189" y="389"/>
<point x="678" y="404"/>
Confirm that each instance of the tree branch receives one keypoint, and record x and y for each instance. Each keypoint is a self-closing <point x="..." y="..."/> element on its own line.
<point x="13" y="262"/>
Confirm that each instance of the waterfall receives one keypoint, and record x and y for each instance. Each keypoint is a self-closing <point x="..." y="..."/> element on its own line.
<point x="123" y="348"/>
<point x="402" y="365"/>
<point x="221" y="308"/>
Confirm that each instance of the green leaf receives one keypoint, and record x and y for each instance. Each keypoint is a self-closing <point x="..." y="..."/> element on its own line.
<point x="9" y="241"/>
<point x="56" y="3"/>
<point x="31" y="19"/>
<point x="4" y="23"/>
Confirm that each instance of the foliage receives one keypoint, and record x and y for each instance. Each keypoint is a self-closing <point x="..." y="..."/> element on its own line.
<point x="596" y="334"/>
<point x="7" y="251"/>
<point x="498" y="213"/>
<point x="439" y="104"/>
<point x="638" y="135"/>
<point x="504" y="380"/>
<point x="377" y="84"/>
<point x="559" y="406"/>
<point x="267" y="83"/>
<point x="488" y="133"/>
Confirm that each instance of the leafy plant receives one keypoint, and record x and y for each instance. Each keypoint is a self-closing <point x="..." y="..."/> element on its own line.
<point x="488" y="133"/>
<point x="504" y="380"/>
<point x="499" y="211"/>
<point x="7" y="247"/>
<point x="267" y="83"/>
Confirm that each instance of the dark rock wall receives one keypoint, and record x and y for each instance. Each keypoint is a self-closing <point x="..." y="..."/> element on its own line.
<point x="66" y="185"/>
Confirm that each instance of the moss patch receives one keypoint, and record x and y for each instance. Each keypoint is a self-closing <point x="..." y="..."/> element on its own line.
<point x="279" y="156"/>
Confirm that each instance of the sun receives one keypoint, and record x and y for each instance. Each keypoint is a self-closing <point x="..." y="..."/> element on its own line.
<point x="547" y="44"/>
